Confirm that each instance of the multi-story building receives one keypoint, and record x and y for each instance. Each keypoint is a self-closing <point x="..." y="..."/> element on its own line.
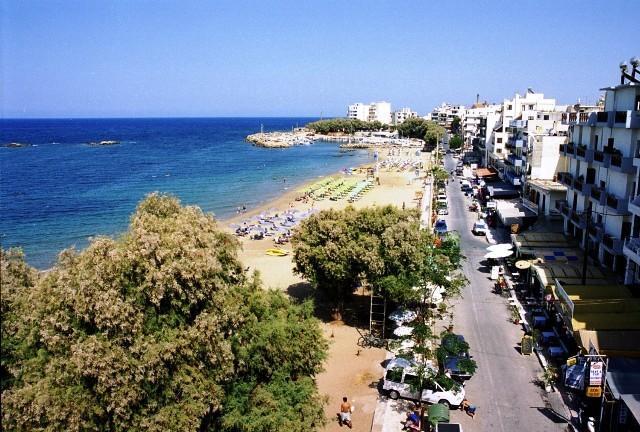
<point x="358" y="111"/>
<point x="375" y="111"/>
<point x="380" y="111"/>
<point x="477" y="127"/>
<point x="398" y="117"/>
<point x="602" y="207"/>
<point x="446" y="113"/>
<point x="519" y="108"/>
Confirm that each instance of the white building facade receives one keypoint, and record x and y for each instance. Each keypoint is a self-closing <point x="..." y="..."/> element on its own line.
<point x="375" y="111"/>
<point x="602" y="206"/>
<point x="358" y="111"/>
<point x="400" y="116"/>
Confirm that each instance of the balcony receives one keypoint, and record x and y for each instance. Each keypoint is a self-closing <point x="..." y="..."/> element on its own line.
<point x="613" y="244"/>
<point x="578" y="184"/>
<point x="634" y="206"/>
<point x="578" y="219"/>
<point x="584" y="154"/>
<point x="631" y="249"/>
<point x="514" y="160"/>
<point x="596" y="231"/>
<point x="573" y="118"/>
<point x="598" y="194"/>
<point x="565" y="178"/>
<point x="621" y="163"/>
<point x="570" y="149"/>
<point x="563" y="207"/>
<point x="617" y="204"/>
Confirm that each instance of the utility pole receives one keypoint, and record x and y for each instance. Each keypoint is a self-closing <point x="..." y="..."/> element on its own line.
<point x="586" y="245"/>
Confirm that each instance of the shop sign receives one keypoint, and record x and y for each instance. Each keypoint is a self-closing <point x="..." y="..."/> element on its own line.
<point x="595" y="374"/>
<point x="594" y="391"/>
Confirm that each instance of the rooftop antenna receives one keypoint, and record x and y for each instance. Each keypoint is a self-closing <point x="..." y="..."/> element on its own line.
<point x="477" y="98"/>
<point x="635" y="63"/>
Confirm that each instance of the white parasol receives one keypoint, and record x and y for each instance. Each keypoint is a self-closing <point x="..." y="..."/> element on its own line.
<point x="403" y="331"/>
<point x="402" y="315"/>
<point x="499" y="254"/>
<point x="500" y="247"/>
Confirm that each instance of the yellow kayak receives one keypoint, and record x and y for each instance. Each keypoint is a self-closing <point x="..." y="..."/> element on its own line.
<point x="277" y="252"/>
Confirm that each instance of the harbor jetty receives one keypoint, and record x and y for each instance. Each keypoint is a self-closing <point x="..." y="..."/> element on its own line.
<point x="281" y="139"/>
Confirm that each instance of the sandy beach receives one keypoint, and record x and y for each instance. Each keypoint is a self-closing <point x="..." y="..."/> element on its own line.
<point x="349" y="371"/>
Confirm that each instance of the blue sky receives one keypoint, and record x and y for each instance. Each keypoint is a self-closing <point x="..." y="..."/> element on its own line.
<point x="140" y="58"/>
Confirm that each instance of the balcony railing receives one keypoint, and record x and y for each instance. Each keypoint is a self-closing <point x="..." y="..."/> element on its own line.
<point x="633" y="244"/>
<point x="612" y="243"/>
<point x="616" y="203"/>
<point x="598" y="156"/>
<point x="565" y="178"/>
<point x="577" y="184"/>
<point x="595" y="230"/>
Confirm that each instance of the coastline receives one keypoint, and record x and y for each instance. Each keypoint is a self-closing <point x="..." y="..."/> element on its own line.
<point x="348" y="370"/>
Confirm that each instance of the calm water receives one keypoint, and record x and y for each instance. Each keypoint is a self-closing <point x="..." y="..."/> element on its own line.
<point x="60" y="191"/>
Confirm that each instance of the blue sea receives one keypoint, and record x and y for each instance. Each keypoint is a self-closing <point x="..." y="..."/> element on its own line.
<point x="60" y="191"/>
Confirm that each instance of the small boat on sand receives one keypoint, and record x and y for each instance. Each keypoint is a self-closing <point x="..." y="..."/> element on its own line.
<point x="277" y="252"/>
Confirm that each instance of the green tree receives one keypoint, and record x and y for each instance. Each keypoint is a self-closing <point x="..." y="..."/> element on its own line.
<point x="157" y="330"/>
<point x="337" y="250"/>
<point x="455" y="142"/>
<point x="455" y="125"/>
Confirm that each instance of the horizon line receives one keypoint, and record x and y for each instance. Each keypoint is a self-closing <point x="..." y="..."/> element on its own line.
<point x="164" y="117"/>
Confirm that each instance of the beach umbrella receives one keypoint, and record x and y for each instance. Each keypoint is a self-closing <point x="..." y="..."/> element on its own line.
<point x="402" y="315"/>
<point x="499" y="247"/>
<point x="523" y="265"/>
<point x="499" y="254"/>
<point x="403" y="331"/>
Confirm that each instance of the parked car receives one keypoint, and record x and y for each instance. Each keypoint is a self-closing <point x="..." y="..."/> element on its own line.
<point x="401" y="378"/>
<point x="452" y="364"/>
<point x="480" y="228"/>
<point x="440" y="227"/>
<point x="443" y="211"/>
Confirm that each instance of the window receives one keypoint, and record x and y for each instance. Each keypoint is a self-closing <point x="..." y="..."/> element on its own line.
<point x="546" y="116"/>
<point x="531" y="118"/>
<point x="499" y="140"/>
<point x="499" y="151"/>
<point x="394" y="374"/>
<point x="510" y="107"/>
<point x="637" y="106"/>
<point x="531" y="107"/>
<point x="412" y="380"/>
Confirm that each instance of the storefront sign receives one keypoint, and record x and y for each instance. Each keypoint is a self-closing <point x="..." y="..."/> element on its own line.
<point x="595" y="374"/>
<point x="594" y="391"/>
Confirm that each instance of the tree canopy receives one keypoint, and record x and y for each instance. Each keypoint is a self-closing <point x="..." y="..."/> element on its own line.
<point x="157" y="330"/>
<point x="455" y="142"/>
<point x="417" y="127"/>
<point x="455" y="125"/>
<point x="383" y="246"/>
<point x="345" y="125"/>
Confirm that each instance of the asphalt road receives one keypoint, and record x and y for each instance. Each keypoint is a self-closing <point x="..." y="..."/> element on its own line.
<point x="502" y="388"/>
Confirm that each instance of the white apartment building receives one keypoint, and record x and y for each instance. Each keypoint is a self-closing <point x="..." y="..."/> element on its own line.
<point x="399" y="117"/>
<point x="445" y="113"/>
<point x="523" y="109"/>
<point x="380" y="111"/>
<point x="602" y="180"/>
<point x="358" y="111"/>
<point x="477" y="127"/>
<point x="375" y="111"/>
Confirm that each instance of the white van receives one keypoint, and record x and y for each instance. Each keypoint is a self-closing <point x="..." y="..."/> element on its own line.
<point x="401" y="375"/>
